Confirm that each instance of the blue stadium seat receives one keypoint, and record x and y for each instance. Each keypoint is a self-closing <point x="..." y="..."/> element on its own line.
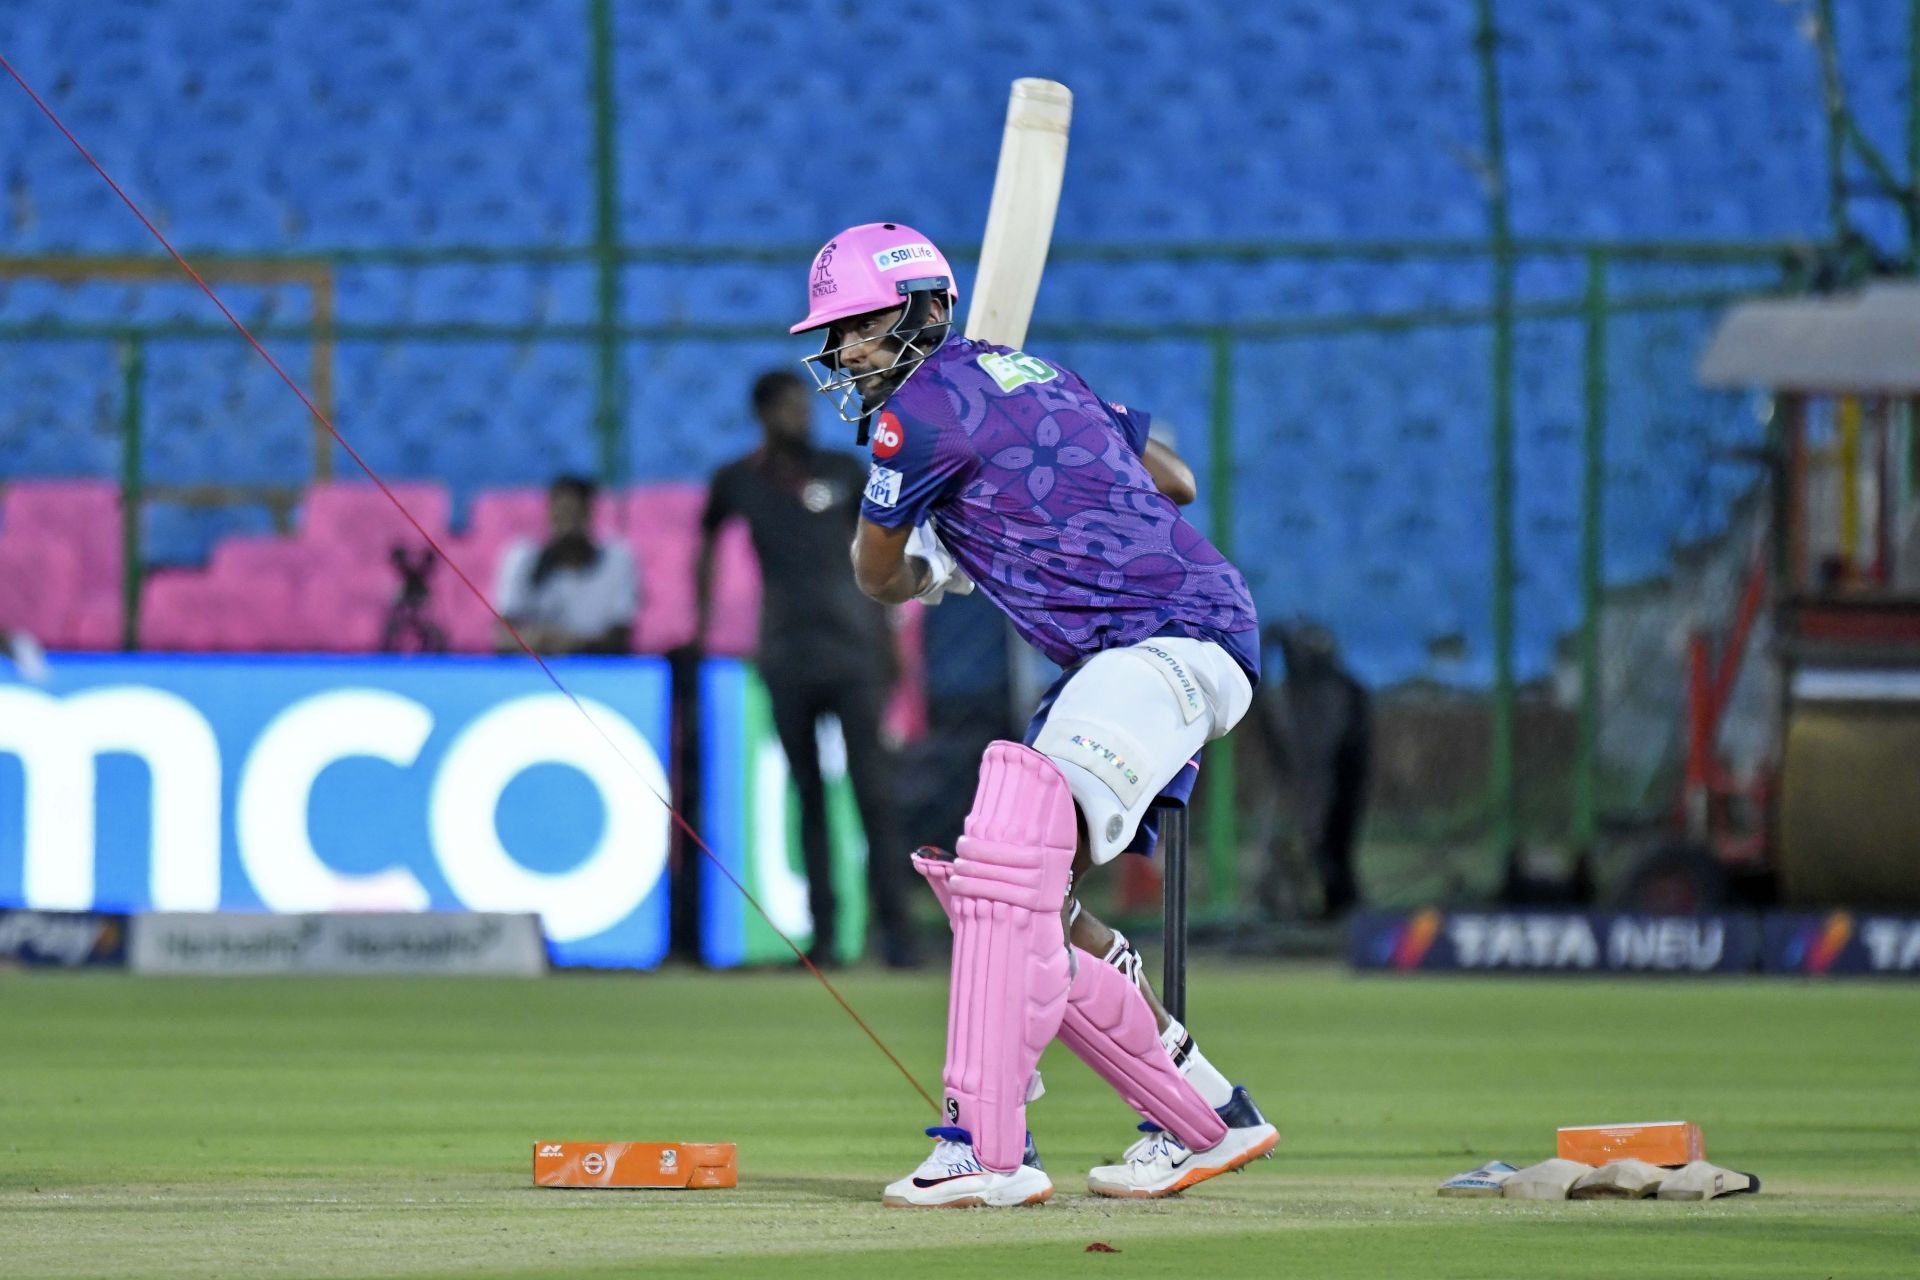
<point x="474" y="294"/>
<point x="373" y="294"/>
<point x="172" y="534"/>
<point x="741" y="295"/>
<point x="322" y="124"/>
<point x="566" y="294"/>
<point x="39" y="433"/>
<point x="237" y="214"/>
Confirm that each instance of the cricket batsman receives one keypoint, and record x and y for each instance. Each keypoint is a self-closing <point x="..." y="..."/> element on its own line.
<point x="996" y="468"/>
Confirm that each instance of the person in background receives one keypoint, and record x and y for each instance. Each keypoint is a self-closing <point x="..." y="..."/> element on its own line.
<point x="825" y="649"/>
<point x="1320" y="722"/>
<point x="572" y="594"/>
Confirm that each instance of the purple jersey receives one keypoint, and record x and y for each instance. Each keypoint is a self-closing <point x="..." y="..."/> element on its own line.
<point x="1038" y="488"/>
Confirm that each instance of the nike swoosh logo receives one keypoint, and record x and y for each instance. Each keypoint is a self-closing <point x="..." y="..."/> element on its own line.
<point x="923" y="1183"/>
<point x="1182" y="1160"/>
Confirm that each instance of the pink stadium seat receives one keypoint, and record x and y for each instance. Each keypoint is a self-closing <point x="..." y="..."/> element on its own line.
<point x="665" y="555"/>
<point x="54" y="500"/>
<point x="500" y="515"/>
<point x="362" y="522"/>
<point x="663" y="527"/>
<point x="273" y="575"/>
<point x="39" y="574"/>
<point x="204" y="613"/>
<point x="96" y="621"/>
<point x="662" y="506"/>
<point x="249" y="556"/>
<point x="345" y="605"/>
<point x="178" y="612"/>
<point x="469" y="623"/>
<point x="261" y="612"/>
<point x="469" y="626"/>
<point x="478" y="556"/>
<point x="86" y="513"/>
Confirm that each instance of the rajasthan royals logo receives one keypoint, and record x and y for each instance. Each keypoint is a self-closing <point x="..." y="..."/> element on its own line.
<point x="823" y="284"/>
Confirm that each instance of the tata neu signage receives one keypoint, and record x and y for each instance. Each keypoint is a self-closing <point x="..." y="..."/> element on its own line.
<point x="1553" y="942"/>
<point x="1843" y="942"/>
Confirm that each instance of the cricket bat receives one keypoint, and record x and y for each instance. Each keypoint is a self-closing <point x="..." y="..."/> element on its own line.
<point x="1026" y="192"/>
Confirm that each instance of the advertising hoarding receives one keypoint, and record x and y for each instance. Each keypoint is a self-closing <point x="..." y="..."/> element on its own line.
<point x="752" y="824"/>
<point x="303" y="784"/>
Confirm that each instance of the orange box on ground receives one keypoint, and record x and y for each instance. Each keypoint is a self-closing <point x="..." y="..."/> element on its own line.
<point x="670" y="1165"/>
<point x="1665" y="1142"/>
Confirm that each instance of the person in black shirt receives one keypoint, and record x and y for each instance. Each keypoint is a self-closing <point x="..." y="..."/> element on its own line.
<point x="824" y="649"/>
<point x="1319" y="722"/>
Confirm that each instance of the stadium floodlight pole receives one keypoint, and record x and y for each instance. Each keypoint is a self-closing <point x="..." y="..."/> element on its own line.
<point x="1173" y="873"/>
<point x="1504" y="794"/>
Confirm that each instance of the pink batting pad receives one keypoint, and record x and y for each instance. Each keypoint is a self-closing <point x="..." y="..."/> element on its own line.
<point x="1110" y="1026"/>
<point x="1008" y="988"/>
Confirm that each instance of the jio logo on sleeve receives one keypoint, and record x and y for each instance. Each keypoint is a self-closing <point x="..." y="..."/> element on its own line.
<point x="888" y="436"/>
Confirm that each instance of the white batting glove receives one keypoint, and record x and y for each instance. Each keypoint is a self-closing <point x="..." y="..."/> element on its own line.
<point x="943" y="574"/>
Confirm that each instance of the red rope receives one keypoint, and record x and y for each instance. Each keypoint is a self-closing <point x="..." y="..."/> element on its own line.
<point x="480" y="595"/>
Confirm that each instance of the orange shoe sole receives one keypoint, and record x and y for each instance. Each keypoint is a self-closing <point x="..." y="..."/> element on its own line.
<point x="1195" y="1177"/>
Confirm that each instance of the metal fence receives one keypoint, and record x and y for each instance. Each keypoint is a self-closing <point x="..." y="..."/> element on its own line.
<point x="1627" y="443"/>
<point x="1622" y="462"/>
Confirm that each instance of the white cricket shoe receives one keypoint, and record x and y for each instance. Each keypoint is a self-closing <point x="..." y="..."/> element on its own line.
<point x="953" y="1178"/>
<point x="1160" y="1165"/>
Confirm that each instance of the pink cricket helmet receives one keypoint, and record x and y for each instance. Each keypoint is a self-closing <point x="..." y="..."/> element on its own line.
<point x="863" y="268"/>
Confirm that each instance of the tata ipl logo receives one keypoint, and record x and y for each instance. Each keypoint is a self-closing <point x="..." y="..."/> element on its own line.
<point x="1407" y="944"/>
<point x="1817" y="946"/>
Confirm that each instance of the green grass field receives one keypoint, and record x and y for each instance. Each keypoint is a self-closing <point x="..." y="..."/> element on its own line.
<point x="384" y="1128"/>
